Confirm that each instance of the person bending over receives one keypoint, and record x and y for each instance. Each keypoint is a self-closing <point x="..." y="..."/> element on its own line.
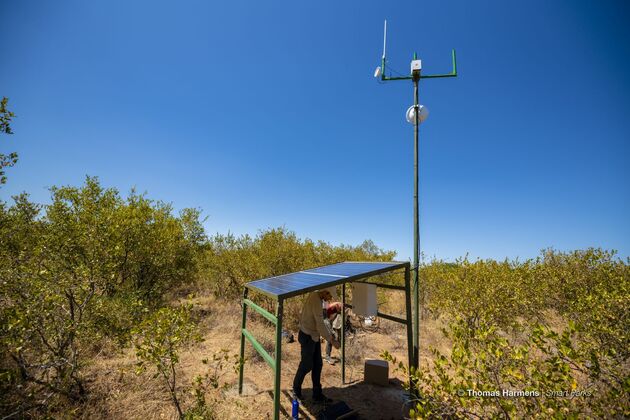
<point x="311" y="328"/>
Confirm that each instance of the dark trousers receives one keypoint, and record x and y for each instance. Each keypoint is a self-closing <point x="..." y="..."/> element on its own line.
<point x="311" y="361"/>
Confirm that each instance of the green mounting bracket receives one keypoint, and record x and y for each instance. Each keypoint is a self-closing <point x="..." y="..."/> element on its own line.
<point x="453" y="73"/>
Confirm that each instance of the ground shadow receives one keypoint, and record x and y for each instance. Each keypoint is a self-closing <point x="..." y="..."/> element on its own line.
<point x="371" y="401"/>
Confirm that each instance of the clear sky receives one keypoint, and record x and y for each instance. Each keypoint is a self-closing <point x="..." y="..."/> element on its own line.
<point x="266" y="114"/>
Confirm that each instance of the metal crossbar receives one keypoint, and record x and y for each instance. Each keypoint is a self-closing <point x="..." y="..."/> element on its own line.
<point x="385" y="316"/>
<point x="260" y="349"/>
<point x="271" y="318"/>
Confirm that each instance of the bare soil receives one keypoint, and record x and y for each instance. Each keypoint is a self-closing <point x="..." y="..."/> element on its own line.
<point x="117" y="392"/>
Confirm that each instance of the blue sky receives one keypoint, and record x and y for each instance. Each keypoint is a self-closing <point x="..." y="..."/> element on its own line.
<point x="266" y="114"/>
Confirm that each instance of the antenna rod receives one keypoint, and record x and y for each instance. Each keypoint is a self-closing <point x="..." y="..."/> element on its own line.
<point x="384" y="45"/>
<point x="384" y="38"/>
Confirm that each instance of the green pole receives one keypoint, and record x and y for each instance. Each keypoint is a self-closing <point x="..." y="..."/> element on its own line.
<point x="343" y="333"/>
<point x="410" y="348"/>
<point x="278" y="370"/>
<point x="242" y="360"/>
<point x="416" y="223"/>
<point x="415" y="77"/>
<point x="454" y="72"/>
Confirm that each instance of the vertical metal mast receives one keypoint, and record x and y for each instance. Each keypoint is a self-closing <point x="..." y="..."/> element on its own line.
<point x="415" y="76"/>
<point x="416" y="219"/>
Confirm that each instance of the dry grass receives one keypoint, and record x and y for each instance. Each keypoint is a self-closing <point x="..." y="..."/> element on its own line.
<point x="117" y="392"/>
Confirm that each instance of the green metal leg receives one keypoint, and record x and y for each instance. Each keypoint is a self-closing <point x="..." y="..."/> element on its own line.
<point x="416" y="319"/>
<point x="278" y="370"/>
<point x="242" y="360"/>
<point x="343" y="334"/>
<point x="410" y="341"/>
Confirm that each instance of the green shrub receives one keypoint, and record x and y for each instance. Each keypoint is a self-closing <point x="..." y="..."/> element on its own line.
<point x="77" y="271"/>
<point x="233" y="261"/>
<point x="158" y="340"/>
<point x="211" y="382"/>
<point x="505" y="333"/>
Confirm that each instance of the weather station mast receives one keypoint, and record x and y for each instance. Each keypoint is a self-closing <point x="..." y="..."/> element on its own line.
<point x="415" y="115"/>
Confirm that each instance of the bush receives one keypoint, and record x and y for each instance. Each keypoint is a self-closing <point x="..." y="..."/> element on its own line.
<point x="502" y="324"/>
<point x="76" y="271"/>
<point x="211" y="382"/>
<point x="233" y="261"/>
<point x="158" y="340"/>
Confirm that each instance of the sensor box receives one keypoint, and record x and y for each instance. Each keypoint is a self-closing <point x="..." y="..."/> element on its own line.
<point x="416" y="65"/>
<point x="376" y="372"/>
<point x="364" y="299"/>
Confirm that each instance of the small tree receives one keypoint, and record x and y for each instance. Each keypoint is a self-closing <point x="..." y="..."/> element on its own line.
<point x="10" y="159"/>
<point x="211" y="381"/>
<point x="158" y="340"/>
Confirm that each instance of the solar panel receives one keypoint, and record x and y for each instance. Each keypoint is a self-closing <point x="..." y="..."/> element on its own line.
<point x="300" y="282"/>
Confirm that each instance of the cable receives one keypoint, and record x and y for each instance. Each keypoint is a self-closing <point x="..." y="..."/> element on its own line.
<point x="397" y="72"/>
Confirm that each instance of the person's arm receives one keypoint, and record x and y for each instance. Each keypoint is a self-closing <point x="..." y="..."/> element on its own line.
<point x="316" y="308"/>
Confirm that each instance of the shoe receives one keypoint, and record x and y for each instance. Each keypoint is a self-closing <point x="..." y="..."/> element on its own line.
<point x="321" y="398"/>
<point x="297" y="396"/>
<point x="329" y="360"/>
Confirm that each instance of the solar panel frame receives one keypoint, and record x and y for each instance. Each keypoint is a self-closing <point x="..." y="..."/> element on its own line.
<point x="322" y="277"/>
